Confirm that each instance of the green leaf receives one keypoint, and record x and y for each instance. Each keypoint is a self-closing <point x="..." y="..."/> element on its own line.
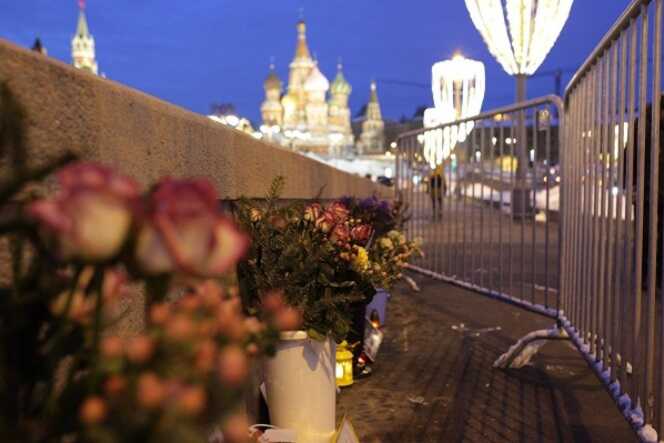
<point x="315" y="335"/>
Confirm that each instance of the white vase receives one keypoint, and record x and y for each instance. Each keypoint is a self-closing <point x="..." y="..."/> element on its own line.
<point x="301" y="387"/>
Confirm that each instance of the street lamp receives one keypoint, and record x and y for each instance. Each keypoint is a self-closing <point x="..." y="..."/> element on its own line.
<point x="519" y="34"/>
<point x="458" y="87"/>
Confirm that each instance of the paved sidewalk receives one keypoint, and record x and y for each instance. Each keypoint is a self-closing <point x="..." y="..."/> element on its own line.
<point x="433" y="381"/>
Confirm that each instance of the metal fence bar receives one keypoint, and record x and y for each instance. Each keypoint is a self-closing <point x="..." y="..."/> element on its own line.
<point x="653" y="210"/>
<point x="629" y="270"/>
<point x="640" y="191"/>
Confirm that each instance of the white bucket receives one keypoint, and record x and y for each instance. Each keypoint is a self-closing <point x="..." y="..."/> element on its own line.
<point x="301" y="387"/>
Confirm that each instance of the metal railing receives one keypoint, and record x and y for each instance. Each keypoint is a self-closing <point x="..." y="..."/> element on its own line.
<point x="473" y="235"/>
<point x="611" y="219"/>
<point x="586" y="251"/>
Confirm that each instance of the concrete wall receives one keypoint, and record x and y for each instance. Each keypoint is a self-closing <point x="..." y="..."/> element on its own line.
<point x="68" y="109"/>
<point x="149" y="138"/>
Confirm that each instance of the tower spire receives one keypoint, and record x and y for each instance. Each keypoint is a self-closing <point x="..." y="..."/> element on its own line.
<point x="83" y="44"/>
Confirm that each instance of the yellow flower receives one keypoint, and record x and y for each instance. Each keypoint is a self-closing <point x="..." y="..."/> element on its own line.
<point x="361" y="260"/>
<point x="386" y="243"/>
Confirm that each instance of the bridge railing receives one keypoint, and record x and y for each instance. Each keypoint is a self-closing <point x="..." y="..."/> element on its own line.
<point x="488" y="215"/>
<point x="611" y="275"/>
<point x="573" y="230"/>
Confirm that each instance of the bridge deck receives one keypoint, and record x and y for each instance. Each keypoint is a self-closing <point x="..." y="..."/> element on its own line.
<point x="433" y="381"/>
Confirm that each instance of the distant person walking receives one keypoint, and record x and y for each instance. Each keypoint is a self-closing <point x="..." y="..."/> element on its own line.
<point x="437" y="189"/>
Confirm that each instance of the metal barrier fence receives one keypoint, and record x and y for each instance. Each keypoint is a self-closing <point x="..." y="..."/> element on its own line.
<point x="472" y="233"/>
<point x="611" y="221"/>
<point x="587" y="251"/>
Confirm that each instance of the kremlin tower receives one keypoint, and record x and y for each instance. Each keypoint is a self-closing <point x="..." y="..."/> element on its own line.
<point x="372" y="138"/>
<point x="83" y="44"/>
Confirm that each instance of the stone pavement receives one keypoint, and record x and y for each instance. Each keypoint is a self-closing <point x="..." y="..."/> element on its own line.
<point x="433" y="381"/>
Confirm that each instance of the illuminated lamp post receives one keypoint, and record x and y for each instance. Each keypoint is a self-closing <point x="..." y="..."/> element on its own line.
<point x="519" y="34"/>
<point x="458" y="87"/>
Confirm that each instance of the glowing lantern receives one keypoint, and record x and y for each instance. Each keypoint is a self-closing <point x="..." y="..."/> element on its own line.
<point x="344" y="366"/>
<point x="519" y="34"/>
<point x="458" y="91"/>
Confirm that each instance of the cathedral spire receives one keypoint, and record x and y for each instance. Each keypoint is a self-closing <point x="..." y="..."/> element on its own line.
<point x="302" y="51"/>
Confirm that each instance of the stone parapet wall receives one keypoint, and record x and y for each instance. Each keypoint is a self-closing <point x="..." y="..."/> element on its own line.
<point x="148" y="138"/>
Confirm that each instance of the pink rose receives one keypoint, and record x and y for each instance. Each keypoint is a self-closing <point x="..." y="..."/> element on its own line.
<point x="325" y="222"/>
<point x="339" y="211"/>
<point x="312" y="212"/>
<point x="90" y="217"/>
<point x="340" y="233"/>
<point x="183" y="230"/>
<point x="361" y="233"/>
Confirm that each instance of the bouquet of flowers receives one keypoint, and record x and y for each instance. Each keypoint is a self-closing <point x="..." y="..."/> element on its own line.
<point x="65" y="373"/>
<point x="388" y="249"/>
<point x="314" y="255"/>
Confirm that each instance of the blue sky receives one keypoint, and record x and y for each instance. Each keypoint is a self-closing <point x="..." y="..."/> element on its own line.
<point x="196" y="52"/>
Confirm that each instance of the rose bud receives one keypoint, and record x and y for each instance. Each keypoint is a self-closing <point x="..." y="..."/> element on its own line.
<point x="325" y="222"/>
<point x="114" y="385"/>
<point x="112" y="346"/>
<point x="361" y="233"/>
<point x="159" y="313"/>
<point x="252" y="325"/>
<point x="206" y="328"/>
<point x="288" y="319"/>
<point x="205" y="356"/>
<point x="236" y="429"/>
<point x="232" y="365"/>
<point x="312" y="212"/>
<point x="339" y="211"/>
<point x="183" y="230"/>
<point x="89" y="218"/>
<point x="192" y="400"/>
<point x="272" y="301"/>
<point x="93" y="410"/>
<point x="234" y="327"/>
<point x="150" y="390"/>
<point x="252" y="349"/>
<point x="114" y="284"/>
<point x="190" y="302"/>
<point x="140" y="349"/>
<point x="340" y="234"/>
<point x="180" y="328"/>
<point x="278" y="222"/>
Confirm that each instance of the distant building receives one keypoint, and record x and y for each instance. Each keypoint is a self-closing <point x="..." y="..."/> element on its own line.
<point x="303" y="118"/>
<point x="372" y="137"/>
<point x="83" y="44"/>
<point x="37" y="46"/>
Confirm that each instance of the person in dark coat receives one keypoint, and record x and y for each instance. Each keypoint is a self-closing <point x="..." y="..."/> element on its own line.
<point x="437" y="189"/>
<point x="647" y="193"/>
